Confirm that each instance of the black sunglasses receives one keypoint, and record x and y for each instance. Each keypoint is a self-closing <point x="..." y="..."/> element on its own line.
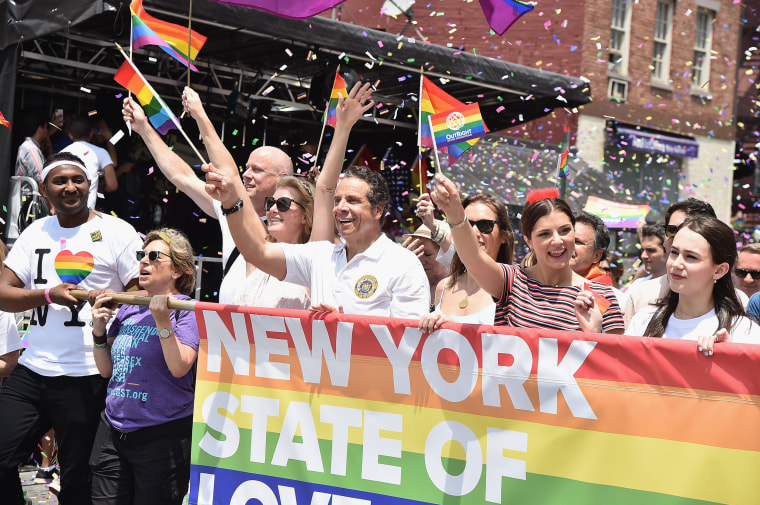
<point x="152" y="255"/>
<point x="485" y="226"/>
<point x="742" y="273"/>
<point x="283" y="203"/>
<point x="670" y="230"/>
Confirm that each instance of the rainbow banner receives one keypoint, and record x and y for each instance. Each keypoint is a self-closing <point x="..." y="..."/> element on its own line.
<point x="148" y="30"/>
<point x="338" y="91"/>
<point x="457" y="125"/>
<point x="297" y="408"/>
<point x="616" y="214"/>
<point x="4" y="121"/>
<point x="159" y="114"/>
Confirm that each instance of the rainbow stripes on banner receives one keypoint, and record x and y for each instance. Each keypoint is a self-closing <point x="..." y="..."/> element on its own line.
<point x="4" y="121"/>
<point x="338" y="92"/>
<point x="562" y="167"/>
<point x="159" y="114"/>
<point x="147" y="30"/>
<point x="432" y="101"/>
<point x="295" y="408"/>
<point x="457" y="125"/>
<point x="616" y="214"/>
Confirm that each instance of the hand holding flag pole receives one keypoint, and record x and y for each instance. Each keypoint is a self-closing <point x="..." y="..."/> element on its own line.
<point x="159" y="114"/>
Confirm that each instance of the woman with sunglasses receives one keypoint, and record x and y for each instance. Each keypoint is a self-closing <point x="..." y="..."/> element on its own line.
<point x="459" y="297"/>
<point x="701" y="303"/>
<point x="141" y="452"/>
<point x="548" y="294"/>
<point x="290" y="214"/>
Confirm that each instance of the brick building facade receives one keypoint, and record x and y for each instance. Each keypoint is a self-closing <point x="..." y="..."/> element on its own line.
<point x="656" y="138"/>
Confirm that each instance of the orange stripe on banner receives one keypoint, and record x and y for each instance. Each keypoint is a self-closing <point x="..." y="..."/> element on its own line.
<point x="639" y="409"/>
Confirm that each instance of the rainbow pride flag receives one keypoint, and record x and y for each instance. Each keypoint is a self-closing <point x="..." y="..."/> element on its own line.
<point x="457" y="125"/>
<point x="432" y="101"/>
<point x="616" y="214"/>
<point x="147" y="30"/>
<point x="4" y="121"/>
<point x="502" y="14"/>
<point x="159" y="114"/>
<point x="296" y="408"/>
<point x="338" y="91"/>
<point x="562" y="168"/>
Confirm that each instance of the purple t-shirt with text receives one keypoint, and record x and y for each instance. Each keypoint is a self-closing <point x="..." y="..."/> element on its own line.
<point x="142" y="391"/>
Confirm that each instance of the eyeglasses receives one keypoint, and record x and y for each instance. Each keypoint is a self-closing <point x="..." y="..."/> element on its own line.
<point x="283" y="203"/>
<point x="742" y="273"/>
<point x="152" y="255"/>
<point x="485" y="226"/>
<point x="670" y="230"/>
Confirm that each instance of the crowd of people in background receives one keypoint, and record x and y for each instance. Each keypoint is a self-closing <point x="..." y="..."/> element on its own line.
<point x="290" y="242"/>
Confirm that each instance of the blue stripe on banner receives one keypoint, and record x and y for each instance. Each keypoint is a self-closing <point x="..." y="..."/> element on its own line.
<point x="220" y="485"/>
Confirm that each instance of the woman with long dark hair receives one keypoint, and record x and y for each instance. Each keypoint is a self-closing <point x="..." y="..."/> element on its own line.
<point x="702" y="303"/>
<point x="459" y="297"/>
<point x="547" y="294"/>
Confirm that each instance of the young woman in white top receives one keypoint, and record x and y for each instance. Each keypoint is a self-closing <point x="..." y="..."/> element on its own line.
<point x="459" y="297"/>
<point x="702" y="304"/>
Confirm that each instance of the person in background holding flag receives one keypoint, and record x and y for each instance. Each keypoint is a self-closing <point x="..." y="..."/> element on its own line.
<point x="701" y="303"/>
<point x="459" y="297"/>
<point x="548" y="294"/>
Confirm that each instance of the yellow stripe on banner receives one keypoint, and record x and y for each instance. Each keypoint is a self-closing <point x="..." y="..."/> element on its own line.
<point x="657" y="465"/>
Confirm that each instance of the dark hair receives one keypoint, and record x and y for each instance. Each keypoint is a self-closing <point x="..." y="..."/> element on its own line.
<point x="722" y="243"/>
<point x="506" y="250"/>
<point x="654" y="230"/>
<point x="64" y="156"/>
<point x="601" y="232"/>
<point x="80" y="128"/>
<point x="378" y="188"/>
<point x="532" y="212"/>
<point x="691" y="207"/>
<point x="31" y="120"/>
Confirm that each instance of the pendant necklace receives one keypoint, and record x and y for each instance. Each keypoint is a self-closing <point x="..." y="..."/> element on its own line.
<point x="464" y="302"/>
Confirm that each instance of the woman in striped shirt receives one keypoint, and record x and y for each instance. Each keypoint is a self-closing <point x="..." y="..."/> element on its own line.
<point x="547" y="294"/>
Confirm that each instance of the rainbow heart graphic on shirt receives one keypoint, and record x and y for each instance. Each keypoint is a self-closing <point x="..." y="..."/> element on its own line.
<point x="73" y="267"/>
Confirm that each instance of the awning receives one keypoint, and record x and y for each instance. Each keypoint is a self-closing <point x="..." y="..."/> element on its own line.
<point x="659" y="143"/>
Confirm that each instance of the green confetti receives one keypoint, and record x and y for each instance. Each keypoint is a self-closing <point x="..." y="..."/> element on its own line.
<point x="234" y="132"/>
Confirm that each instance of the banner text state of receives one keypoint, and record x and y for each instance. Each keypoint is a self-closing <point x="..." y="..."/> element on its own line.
<point x="294" y="409"/>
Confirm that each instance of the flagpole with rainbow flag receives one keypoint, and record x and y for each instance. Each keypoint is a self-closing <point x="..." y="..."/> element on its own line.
<point x="330" y="117"/>
<point x="159" y="114"/>
<point x="562" y="167"/>
<point x="423" y="189"/>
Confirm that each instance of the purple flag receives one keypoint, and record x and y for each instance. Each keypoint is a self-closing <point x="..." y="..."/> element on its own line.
<point x="501" y="14"/>
<point x="294" y="9"/>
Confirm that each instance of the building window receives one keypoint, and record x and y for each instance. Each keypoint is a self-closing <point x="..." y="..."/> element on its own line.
<point x="702" y="45"/>
<point x="662" y="28"/>
<point x="620" y="28"/>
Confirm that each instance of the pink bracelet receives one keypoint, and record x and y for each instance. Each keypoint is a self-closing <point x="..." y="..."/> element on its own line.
<point x="47" y="296"/>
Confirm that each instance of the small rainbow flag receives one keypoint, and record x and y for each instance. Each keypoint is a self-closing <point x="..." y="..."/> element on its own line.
<point x="562" y="168"/>
<point x="457" y="125"/>
<point x="159" y="114"/>
<point x="501" y="14"/>
<point x="147" y="30"/>
<point x="4" y="121"/>
<point x="433" y="100"/>
<point x="338" y="92"/>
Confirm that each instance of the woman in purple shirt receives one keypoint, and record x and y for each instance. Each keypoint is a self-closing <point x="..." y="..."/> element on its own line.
<point x="142" y="448"/>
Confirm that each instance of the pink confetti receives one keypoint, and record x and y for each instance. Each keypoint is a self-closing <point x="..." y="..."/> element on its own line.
<point x="547" y="24"/>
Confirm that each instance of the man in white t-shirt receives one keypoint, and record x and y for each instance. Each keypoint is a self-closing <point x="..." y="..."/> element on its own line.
<point x="56" y="383"/>
<point x="98" y="161"/>
<point x="264" y="166"/>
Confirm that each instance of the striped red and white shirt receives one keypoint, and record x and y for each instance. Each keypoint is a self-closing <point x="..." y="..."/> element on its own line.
<point x="527" y="303"/>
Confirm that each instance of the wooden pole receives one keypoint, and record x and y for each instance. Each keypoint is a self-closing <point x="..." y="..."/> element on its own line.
<point x="81" y="294"/>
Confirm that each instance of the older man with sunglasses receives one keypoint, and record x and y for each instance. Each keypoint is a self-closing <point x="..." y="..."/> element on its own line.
<point x="747" y="271"/>
<point x="648" y="292"/>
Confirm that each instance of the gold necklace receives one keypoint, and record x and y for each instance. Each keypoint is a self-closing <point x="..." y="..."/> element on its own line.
<point x="465" y="301"/>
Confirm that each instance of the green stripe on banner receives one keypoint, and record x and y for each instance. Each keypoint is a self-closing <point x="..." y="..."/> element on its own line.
<point x="416" y="483"/>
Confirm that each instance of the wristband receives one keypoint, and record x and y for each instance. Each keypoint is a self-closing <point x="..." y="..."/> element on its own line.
<point x="101" y="346"/>
<point x="99" y="340"/>
<point x="454" y="226"/>
<point x="47" y="296"/>
<point x="238" y="205"/>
